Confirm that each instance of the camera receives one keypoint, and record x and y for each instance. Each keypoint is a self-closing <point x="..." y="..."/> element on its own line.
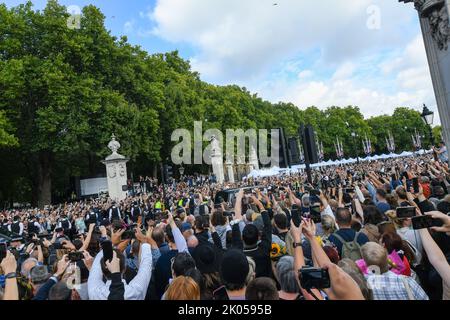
<point x="314" y="278"/>
<point x="75" y="256"/>
<point x="228" y="213"/>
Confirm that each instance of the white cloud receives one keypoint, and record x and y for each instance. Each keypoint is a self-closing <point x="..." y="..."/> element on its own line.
<point x="128" y="26"/>
<point x="408" y="78"/>
<point x="307" y="52"/>
<point x="305" y="74"/>
<point x="242" y="39"/>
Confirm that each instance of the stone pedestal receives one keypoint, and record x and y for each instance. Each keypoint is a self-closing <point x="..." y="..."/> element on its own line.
<point x="253" y="160"/>
<point x="217" y="161"/>
<point x="230" y="171"/>
<point x="116" y="171"/>
<point x="434" y="21"/>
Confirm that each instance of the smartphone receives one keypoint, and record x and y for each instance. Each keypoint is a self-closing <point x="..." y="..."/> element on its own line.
<point x="3" y="250"/>
<point x="314" y="278"/>
<point x="295" y="214"/>
<point x="107" y="250"/>
<point x="425" y="222"/>
<point x="57" y="230"/>
<point x="314" y="192"/>
<point x="349" y="190"/>
<point x="406" y="212"/>
<point x="415" y="183"/>
<point x="75" y="256"/>
<point x="220" y="294"/>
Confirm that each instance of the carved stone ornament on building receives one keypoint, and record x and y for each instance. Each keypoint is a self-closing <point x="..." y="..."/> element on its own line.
<point x="112" y="171"/>
<point x="122" y="170"/>
<point x="437" y="13"/>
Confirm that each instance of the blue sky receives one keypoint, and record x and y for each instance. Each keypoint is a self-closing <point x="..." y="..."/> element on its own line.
<point x="329" y="52"/>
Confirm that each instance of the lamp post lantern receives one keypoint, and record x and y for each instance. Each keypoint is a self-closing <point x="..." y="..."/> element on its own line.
<point x="428" y="117"/>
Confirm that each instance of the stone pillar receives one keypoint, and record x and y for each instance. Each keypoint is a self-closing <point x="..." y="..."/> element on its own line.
<point x="434" y="21"/>
<point x="116" y="171"/>
<point x="230" y="171"/>
<point x="253" y="160"/>
<point x="217" y="160"/>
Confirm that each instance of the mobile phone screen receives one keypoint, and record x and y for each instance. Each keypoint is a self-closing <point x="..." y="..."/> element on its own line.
<point x="107" y="250"/>
<point x="422" y="222"/>
<point x="425" y="222"/>
<point x="406" y="212"/>
<point x="295" y="213"/>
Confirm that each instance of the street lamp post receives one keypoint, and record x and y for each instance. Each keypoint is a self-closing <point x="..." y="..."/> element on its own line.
<point x="428" y="117"/>
<point x="355" y="147"/>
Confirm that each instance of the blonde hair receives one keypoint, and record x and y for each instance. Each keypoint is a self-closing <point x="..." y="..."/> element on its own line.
<point x="392" y="215"/>
<point x="375" y="255"/>
<point x="251" y="270"/>
<point x="183" y="288"/>
<point x="328" y="224"/>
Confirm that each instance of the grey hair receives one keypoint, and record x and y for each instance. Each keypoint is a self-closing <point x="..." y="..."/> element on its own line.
<point x="305" y="200"/>
<point x="287" y="275"/>
<point x="23" y="271"/>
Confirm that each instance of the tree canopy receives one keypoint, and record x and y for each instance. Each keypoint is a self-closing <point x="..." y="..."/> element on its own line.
<point x="64" y="91"/>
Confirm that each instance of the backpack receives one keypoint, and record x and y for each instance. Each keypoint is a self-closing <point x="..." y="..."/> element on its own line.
<point x="350" y="249"/>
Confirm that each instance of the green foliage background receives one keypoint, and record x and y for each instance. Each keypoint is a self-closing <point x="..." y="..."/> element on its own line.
<point x="64" y="91"/>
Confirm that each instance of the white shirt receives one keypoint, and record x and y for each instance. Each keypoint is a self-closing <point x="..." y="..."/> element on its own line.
<point x="328" y="212"/>
<point x="135" y="290"/>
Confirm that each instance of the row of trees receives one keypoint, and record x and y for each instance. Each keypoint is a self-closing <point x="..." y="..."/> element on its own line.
<point x="64" y="91"/>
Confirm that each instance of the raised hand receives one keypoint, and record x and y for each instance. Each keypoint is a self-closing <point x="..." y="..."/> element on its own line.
<point x="444" y="218"/>
<point x="309" y="228"/>
<point x="113" y="265"/>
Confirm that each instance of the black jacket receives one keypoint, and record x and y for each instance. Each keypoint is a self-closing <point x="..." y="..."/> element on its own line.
<point x="260" y="253"/>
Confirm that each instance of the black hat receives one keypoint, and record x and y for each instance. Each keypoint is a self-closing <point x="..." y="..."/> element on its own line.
<point x="205" y="259"/>
<point x="234" y="267"/>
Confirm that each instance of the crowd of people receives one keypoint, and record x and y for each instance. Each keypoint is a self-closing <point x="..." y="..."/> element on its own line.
<point x="351" y="233"/>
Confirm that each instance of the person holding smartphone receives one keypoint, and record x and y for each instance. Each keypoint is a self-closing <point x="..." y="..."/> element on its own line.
<point x="136" y="289"/>
<point x="434" y="253"/>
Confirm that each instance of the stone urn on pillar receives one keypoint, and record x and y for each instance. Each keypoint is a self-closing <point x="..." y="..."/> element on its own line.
<point x="116" y="171"/>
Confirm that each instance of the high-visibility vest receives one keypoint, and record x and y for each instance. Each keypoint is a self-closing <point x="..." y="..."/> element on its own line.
<point x="158" y="205"/>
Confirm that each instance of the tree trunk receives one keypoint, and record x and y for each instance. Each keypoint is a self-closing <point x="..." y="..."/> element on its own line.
<point x="44" y="179"/>
<point x="155" y="171"/>
<point x="92" y="164"/>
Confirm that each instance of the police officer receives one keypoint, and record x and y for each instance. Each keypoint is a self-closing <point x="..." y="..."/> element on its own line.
<point x="114" y="212"/>
<point x="135" y="212"/>
<point x="16" y="227"/>
<point x="64" y="223"/>
<point x="93" y="216"/>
